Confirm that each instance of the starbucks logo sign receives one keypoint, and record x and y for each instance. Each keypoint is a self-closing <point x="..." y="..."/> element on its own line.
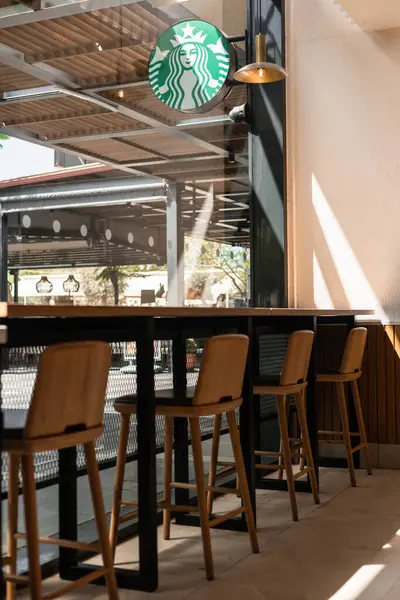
<point x="190" y="66"/>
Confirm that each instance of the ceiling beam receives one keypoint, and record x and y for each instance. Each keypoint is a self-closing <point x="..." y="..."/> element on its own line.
<point x="181" y="126"/>
<point x="166" y="161"/>
<point x="16" y="60"/>
<point x="82" y="50"/>
<point x="20" y="134"/>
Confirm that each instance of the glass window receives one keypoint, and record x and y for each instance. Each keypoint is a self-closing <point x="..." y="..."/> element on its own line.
<point x="144" y="199"/>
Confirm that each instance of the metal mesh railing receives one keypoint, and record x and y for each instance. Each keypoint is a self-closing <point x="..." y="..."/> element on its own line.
<point x="19" y="375"/>
<point x="18" y="378"/>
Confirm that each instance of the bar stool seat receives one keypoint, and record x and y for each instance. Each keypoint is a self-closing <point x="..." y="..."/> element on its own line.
<point x="291" y="382"/>
<point x="166" y="397"/>
<point x="349" y="372"/>
<point x="218" y="391"/>
<point x="167" y="403"/>
<point x="66" y="410"/>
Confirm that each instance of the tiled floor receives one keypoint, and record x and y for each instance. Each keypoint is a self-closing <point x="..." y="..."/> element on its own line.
<point x="346" y="549"/>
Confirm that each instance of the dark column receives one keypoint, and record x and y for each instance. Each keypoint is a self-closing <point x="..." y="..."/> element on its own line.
<point x="175" y="247"/>
<point x="3" y="258"/>
<point x="267" y="161"/>
<point x="3" y="352"/>
<point x="16" y="281"/>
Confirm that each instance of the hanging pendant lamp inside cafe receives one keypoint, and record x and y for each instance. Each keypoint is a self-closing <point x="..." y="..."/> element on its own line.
<point x="261" y="71"/>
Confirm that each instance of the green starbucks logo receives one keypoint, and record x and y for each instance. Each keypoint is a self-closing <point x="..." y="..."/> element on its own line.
<point x="190" y="66"/>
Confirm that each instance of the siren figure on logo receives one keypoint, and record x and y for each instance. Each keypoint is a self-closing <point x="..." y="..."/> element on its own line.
<point x="193" y="73"/>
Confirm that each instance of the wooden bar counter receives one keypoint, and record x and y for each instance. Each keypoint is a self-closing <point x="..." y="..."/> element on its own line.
<point x="40" y="325"/>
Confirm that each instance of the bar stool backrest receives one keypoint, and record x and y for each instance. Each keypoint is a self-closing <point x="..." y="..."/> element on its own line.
<point x="70" y="388"/>
<point x="222" y="369"/>
<point x="297" y="358"/>
<point x="354" y="350"/>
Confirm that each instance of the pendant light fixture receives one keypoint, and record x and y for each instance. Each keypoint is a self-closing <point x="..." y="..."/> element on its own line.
<point x="71" y="285"/>
<point x="44" y="286"/>
<point x="261" y="71"/>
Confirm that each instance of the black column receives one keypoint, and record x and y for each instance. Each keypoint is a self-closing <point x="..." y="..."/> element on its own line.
<point x="15" y="274"/>
<point x="267" y="161"/>
<point x="3" y="258"/>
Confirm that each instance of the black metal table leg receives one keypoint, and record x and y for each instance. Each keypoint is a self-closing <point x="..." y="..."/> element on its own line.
<point x="181" y="435"/>
<point x="146" y="578"/>
<point x="247" y="424"/>
<point x="353" y="423"/>
<point x="68" y="510"/>
<point x="147" y="480"/>
<point x="311" y="407"/>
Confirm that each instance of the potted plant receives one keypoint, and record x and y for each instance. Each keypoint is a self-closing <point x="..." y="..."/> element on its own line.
<point x="191" y="354"/>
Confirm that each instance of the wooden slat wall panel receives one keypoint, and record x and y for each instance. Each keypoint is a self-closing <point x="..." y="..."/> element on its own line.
<point x="397" y="377"/>
<point x="379" y="385"/>
<point x="370" y="377"/>
<point x="390" y="386"/>
<point x="363" y="387"/>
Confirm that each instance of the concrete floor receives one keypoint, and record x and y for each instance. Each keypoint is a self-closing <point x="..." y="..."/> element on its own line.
<point x="346" y="549"/>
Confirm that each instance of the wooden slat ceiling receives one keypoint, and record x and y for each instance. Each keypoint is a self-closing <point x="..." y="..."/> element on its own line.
<point x="12" y="79"/>
<point x="111" y="48"/>
<point x="39" y="111"/>
<point x="111" y="45"/>
<point x="156" y="146"/>
<point x="111" y="149"/>
<point x="97" y="124"/>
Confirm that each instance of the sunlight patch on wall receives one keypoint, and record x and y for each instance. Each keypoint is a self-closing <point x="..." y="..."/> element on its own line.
<point x="356" y="287"/>
<point x="322" y="297"/>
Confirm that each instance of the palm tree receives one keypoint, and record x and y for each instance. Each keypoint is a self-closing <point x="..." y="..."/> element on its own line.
<point x="115" y="275"/>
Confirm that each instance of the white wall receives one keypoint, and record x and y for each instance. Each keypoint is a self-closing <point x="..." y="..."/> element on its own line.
<point x="344" y="171"/>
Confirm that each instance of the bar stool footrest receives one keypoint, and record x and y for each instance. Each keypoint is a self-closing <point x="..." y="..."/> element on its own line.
<point x="75" y="584"/>
<point x="359" y="447"/>
<point x="300" y="473"/>
<point x="178" y="507"/>
<point x="326" y="432"/>
<point x="129" y="516"/>
<point x="226" y="516"/>
<point x="17" y="579"/>
<point x="192" y="486"/>
<point x="64" y="543"/>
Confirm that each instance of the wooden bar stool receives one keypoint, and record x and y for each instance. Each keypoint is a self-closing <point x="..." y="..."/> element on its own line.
<point x="350" y="371"/>
<point x="66" y="410"/>
<point x="292" y="381"/>
<point x="218" y="391"/>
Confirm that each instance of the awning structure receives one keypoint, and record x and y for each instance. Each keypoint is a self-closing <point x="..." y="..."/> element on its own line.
<point x="78" y="81"/>
<point x="113" y="220"/>
<point x="74" y="77"/>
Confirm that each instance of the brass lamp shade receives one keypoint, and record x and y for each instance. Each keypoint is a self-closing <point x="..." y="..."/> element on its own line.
<point x="261" y="71"/>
